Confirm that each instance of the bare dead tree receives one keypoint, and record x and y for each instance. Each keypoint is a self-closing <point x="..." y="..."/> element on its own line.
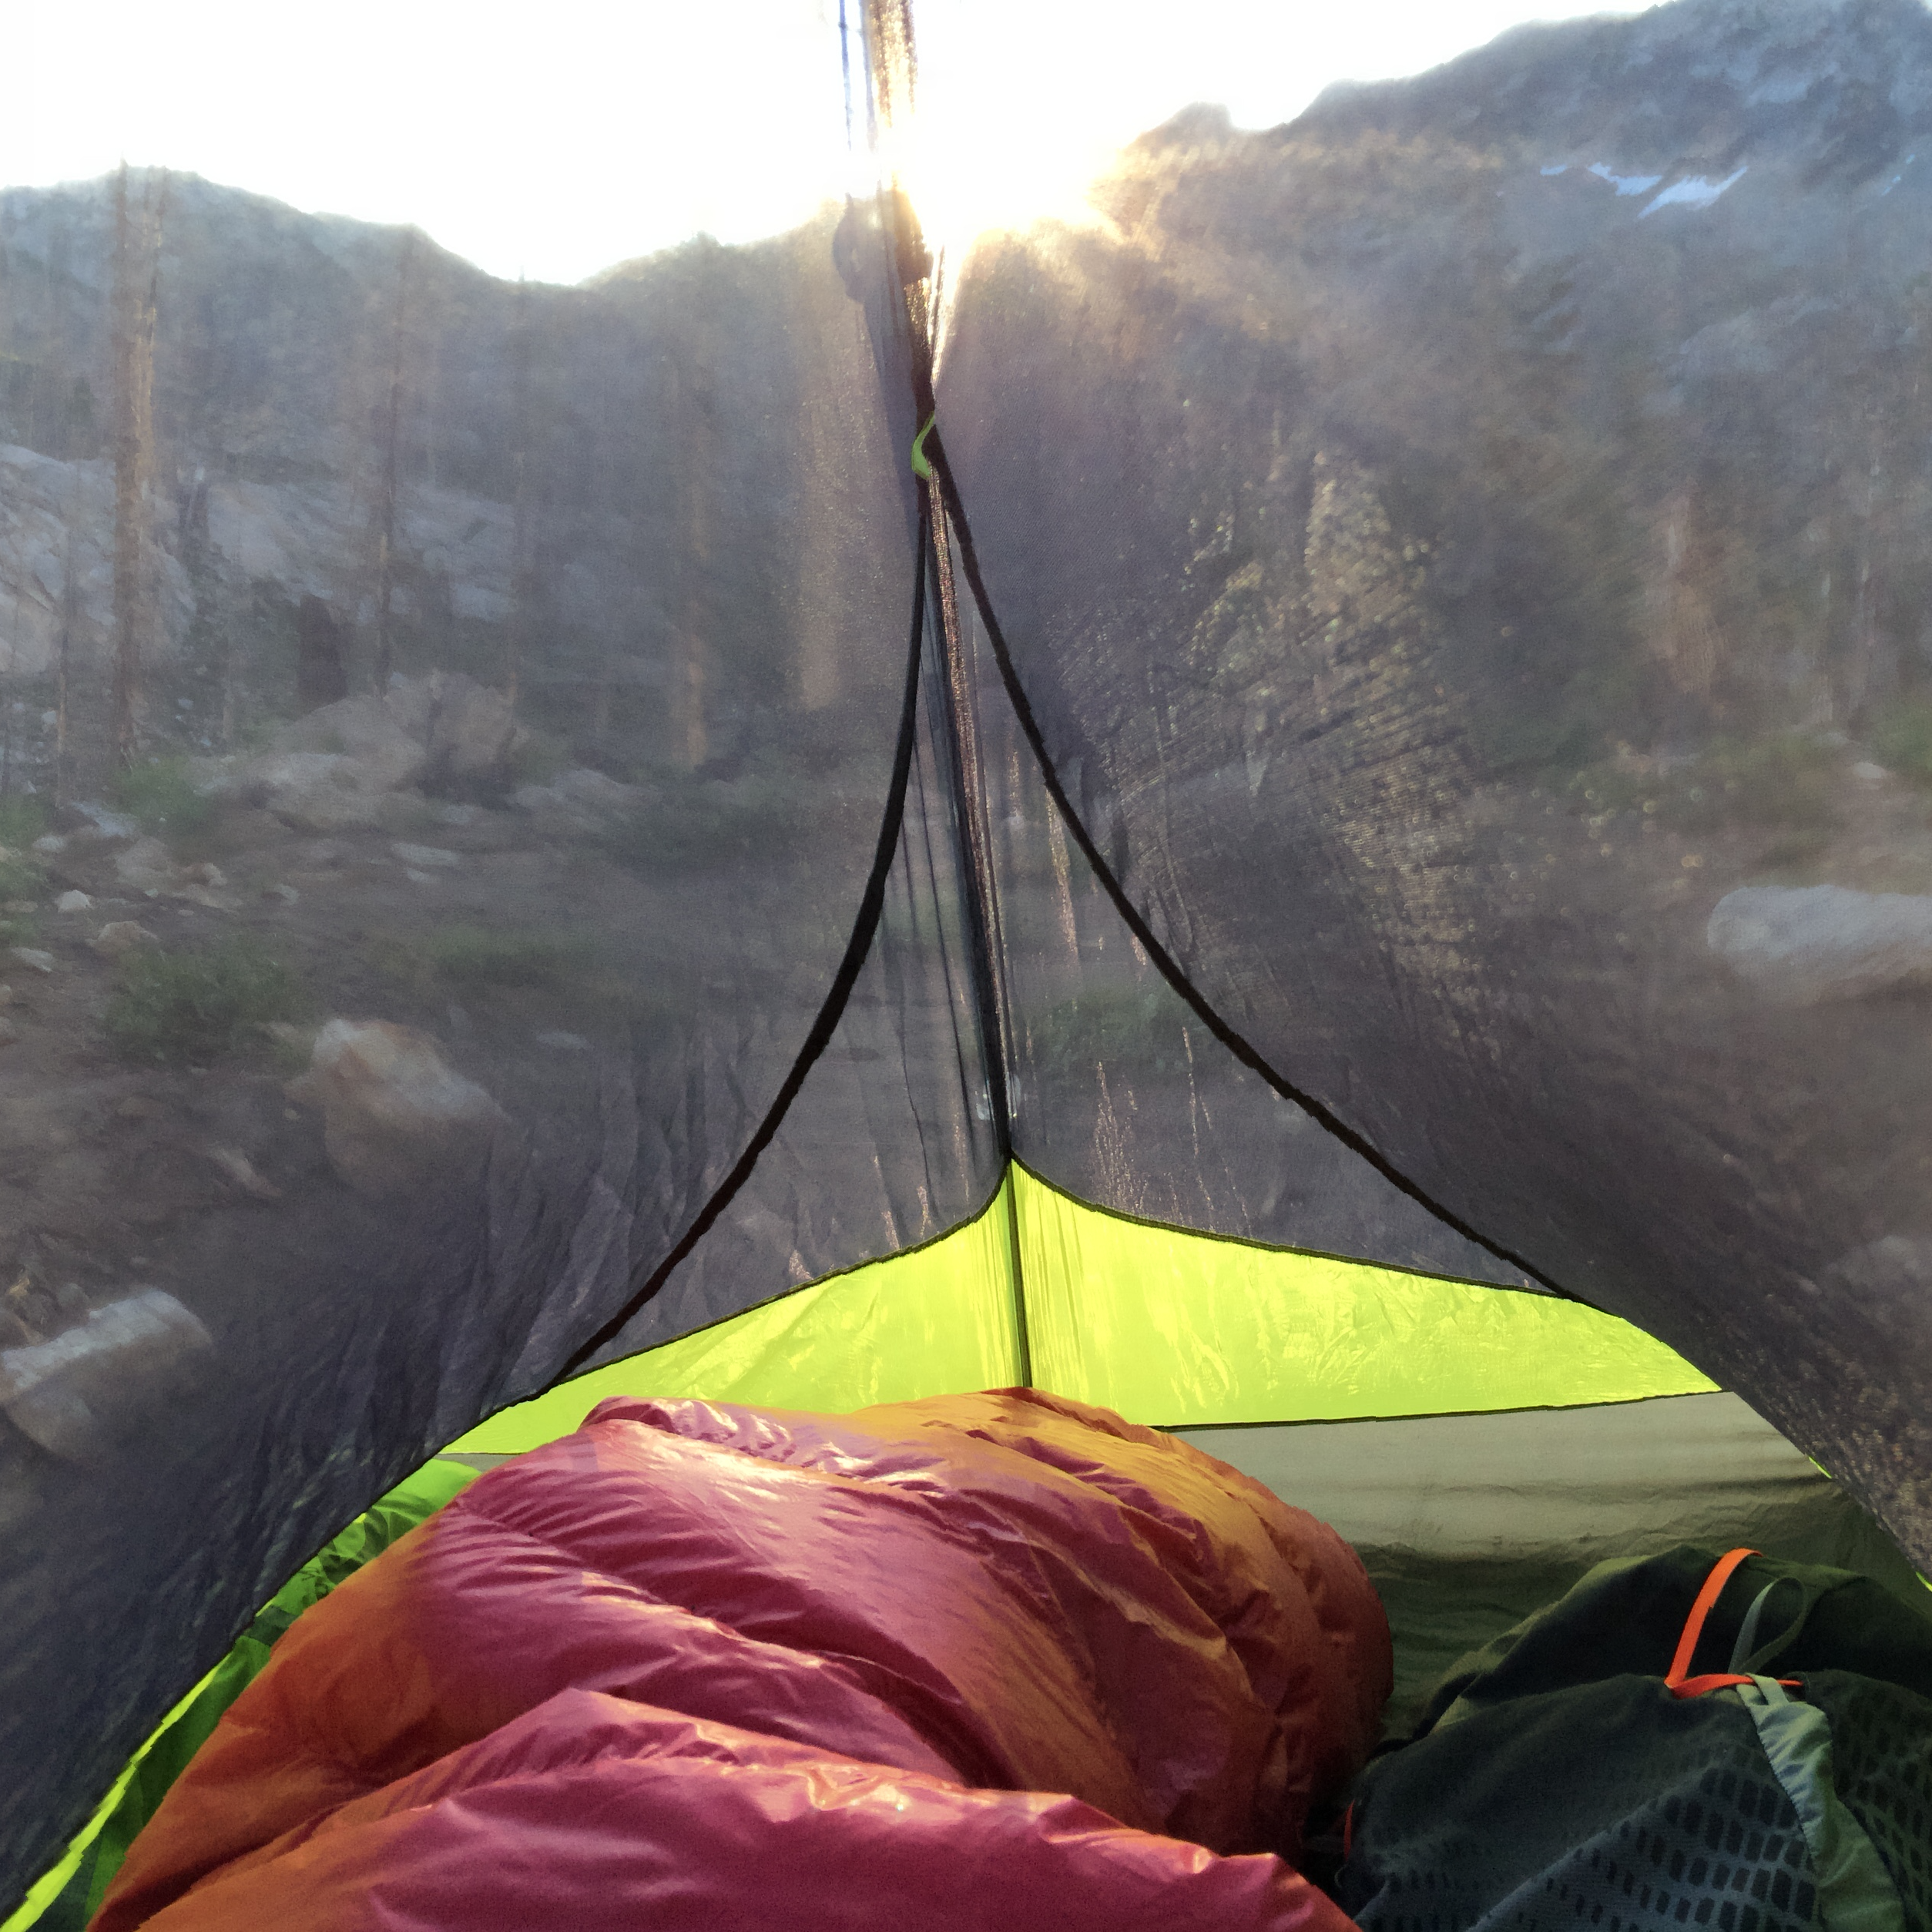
<point x="385" y="500"/>
<point x="522" y="530"/>
<point x="137" y="273"/>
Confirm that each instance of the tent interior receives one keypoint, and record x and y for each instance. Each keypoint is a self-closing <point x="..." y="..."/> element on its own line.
<point x="1297" y="803"/>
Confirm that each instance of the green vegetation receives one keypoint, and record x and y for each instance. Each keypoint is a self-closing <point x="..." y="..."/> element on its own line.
<point x="696" y="826"/>
<point x="22" y="821"/>
<point x="23" y="876"/>
<point x="161" y="796"/>
<point x="477" y="957"/>
<point x="538" y="758"/>
<point x="188" y="1007"/>
<point x="1782" y="784"/>
<point x="1902" y="738"/>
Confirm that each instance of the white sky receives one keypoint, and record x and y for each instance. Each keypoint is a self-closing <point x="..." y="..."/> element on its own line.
<point x="556" y="138"/>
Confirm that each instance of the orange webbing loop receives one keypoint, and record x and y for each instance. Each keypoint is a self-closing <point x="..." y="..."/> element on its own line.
<point x="1724" y="1568"/>
<point x="1680" y="1685"/>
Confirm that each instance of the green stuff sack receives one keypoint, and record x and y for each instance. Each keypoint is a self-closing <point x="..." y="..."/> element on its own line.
<point x="1682" y="1740"/>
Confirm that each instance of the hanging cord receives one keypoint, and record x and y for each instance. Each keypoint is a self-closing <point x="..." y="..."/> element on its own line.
<point x="930" y="450"/>
<point x="871" y="904"/>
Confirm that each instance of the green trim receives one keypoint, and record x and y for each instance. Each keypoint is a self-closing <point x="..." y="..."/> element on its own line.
<point x="67" y="1897"/>
<point x="1181" y="1330"/>
<point x="1855" y="1891"/>
<point x="921" y="468"/>
<point x="938" y="1319"/>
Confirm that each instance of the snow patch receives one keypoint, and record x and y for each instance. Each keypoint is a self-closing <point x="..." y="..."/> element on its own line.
<point x="1562" y="167"/>
<point x="1693" y="192"/>
<point x="1625" y="184"/>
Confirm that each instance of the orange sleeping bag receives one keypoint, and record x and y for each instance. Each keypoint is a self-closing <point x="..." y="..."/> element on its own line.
<point x="693" y="1652"/>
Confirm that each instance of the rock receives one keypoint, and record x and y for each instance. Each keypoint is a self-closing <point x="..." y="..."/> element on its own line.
<point x="50" y="842"/>
<point x="73" y="902"/>
<point x="564" y="1042"/>
<point x="467" y="729"/>
<point x="30" y="956"/>
<point x="1801" y="944"/>
<point x="418" y="878"/>
<point x="394" y="1115"/>
<point x="425" y="856"/>
<point x="76" y="1393"/>
<point x="313" y="791"/>
<point x="239" y="1169"/>
<point x="1868" y="773"/>
<point x="9" y="1031"/>
<point x="120" y="935"/>
<point x="103" y="824"/>
<point x="147" y="867"/>
<point x="365" y="729"/>
<point x="581" y="801"/>
<point x="205" y="872"/>
<point x="287" y="894"/>
<point x="6" y="995"/>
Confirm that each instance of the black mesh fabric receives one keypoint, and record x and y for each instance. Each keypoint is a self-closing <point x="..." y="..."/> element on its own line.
<point x="1430" y="577"/>
<point x="513" y="677"/>
<point x="1118" y="1093"/>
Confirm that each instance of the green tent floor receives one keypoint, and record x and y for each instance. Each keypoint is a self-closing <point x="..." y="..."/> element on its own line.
<point x="1467" y="1523"/>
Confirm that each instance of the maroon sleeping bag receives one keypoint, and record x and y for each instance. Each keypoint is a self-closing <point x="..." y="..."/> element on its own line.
<point x="702" y="1665"/>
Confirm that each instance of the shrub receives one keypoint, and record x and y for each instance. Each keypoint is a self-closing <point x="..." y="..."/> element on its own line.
<point x="1783" y="782"/>
<point x="701" y="826"/>
<point x="475" y="957"/>
<point x="178" y="1007"/>
<point x="161" y="796"/>
<point x="1902" y="738"/>
<point x="22" y="821"/>
<point x="538" y="758"/>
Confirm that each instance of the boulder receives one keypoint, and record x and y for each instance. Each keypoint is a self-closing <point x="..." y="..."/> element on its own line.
<point x="73" y="902"/>
<point x="40" y="962"/>
<point x="313" y="791"/>
<point x="147" y="867"/>
<point x="121" y="935"/>
<point x="581" y="801"/>
<point x="76" y="1393"/>
<point x="395" y="1116"/>
<point x="365" y="729"/>
<point x="1803" y="944"/>
<point x="467" y="730"/>
<point x="242" y="1171"/>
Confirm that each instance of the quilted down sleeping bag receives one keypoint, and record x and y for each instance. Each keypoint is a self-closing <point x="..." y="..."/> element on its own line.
<point x="998" y="1661"/>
